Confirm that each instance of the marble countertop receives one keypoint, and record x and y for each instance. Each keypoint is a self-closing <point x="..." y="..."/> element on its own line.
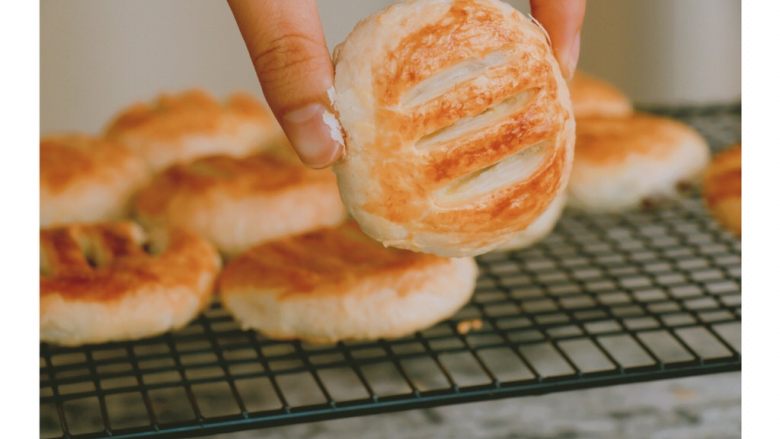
<point x="705" y="407"/>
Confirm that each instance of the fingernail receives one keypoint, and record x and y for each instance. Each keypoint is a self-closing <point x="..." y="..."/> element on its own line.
<point x="570" y="57"/>
<point x="315" y="133"/>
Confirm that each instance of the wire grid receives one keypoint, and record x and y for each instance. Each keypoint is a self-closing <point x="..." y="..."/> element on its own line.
<point x="604" y="300"/>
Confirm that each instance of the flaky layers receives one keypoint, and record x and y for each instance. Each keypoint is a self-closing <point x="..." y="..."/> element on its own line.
<point x="86" y="178"/>
<point x="238" y="202"/>
<point x="593" y="97"/>
<point x="722" y="188"/>
<point x="621" y="162"/>
<point x="181" y="127"/>
<point x="459" y="130"/>
<point x="109" y="282"/>
<point x="338" y="284"/>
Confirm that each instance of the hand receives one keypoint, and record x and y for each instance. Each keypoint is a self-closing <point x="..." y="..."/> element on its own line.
<point x="288" y="50"/>
<point x="287" y="46"/>
<point x="563" y="21"/>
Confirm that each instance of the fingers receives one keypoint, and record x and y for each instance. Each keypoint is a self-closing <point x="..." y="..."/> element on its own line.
<point x="288" y="49"/>
<point x="563" y="21"/>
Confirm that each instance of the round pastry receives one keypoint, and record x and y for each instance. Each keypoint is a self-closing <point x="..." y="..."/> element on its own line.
<point x="86" y="178"/>
<point x="338" y="284"/>
<point x="182" y="127"/>
<point x="722" y="188"/>
<point x="540" y="228"/>
<point x="108" y="282"/>
<point x="622" y="162"/>
<point x="239" y="202"/>
<point x="592" y="97"/>
<point x="459" y="129"/>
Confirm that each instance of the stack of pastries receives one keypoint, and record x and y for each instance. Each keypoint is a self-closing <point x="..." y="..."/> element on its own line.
<point x="626" y="159"/>
<point x="460" y="139"/>
<point x="138" y="222"/>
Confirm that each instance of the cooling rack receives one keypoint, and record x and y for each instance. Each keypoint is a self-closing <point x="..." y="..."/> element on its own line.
<point x="605" y="300"/>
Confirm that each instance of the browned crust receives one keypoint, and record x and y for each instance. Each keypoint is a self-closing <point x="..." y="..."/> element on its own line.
<point x="106" y="262"/>
<point x="171" y="116"/>
<point x="722" y="187"/>
<point x="328" y="261"/>
<point x="266" y="173"/>
<point x="604" y="141"/>
<point x="468" y="30"/>
<point x="70" y="159"/>
<point x="593" y="97"/>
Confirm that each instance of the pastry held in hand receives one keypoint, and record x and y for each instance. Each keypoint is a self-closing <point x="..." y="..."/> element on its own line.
<point x="722" y="188"/>
<point x="459" y="130"/>
<point x="108" y="282"/>
<point x="593" y="97"/>
<point x="338" y="284"/>
<point x="539" y="229"/>
<point x="181" y="127"/>
<point x="86" y="178"/>
<point x="622" y="162"/>
<point x="238" y="202"/>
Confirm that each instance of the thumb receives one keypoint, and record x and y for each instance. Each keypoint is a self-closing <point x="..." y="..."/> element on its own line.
<point x="563" y="21"/>
<point x="288" y="50"/>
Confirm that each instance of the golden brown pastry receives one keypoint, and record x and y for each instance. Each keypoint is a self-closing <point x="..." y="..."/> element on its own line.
<point x="593" y="97"/>
<point x="238" y="202"/>
<point x="539" y="229"/>
<point x="338" y="284"/>
<point x="722" y="188"/>
<point x="109" y="282"/>
<point x="459" y="130"/>
<point x="622" y="162"/>
<point x="181" y="127"/>
<point x="86" y="178"/>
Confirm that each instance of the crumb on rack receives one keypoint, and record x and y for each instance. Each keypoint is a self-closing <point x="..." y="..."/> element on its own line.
<point x="464" y="326"/>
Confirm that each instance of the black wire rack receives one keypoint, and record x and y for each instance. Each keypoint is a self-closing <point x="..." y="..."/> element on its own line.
<point x="604" y="300"/>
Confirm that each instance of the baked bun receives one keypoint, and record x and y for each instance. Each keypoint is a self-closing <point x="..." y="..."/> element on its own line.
<point x="108" y="282"/>
<point x="592" y="97"/>
<point x="338" y="284"/>
<point x="459" y="130"/>
<point x="86" y="178"/>
<point x="722" y="188"/>
<point x="181" y="127"/>
<point x="539" y="229"/>
<point x="238" y="202"/>
<point x="622" y="162"/>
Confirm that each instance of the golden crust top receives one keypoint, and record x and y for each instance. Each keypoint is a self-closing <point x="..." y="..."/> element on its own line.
<point x="70" y="159"/>
<point x="605" y="141"/>
<point x="105" y="262"/>
<point x="171" y="116"/>
<point x="268" y="172"/>
<point x="456" y="98"/>
<point x="328" y="261"/>
<point x="592" y="97"/>
<point x="722" y="186"/>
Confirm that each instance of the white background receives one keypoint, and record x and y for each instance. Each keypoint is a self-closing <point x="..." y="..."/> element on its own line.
<point x="97" y="56"/>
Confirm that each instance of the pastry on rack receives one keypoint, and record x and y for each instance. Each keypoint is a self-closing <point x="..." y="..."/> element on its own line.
<point x="108" y="281"/>
<point x="181" y="127"/>
<point x="621" y="163"/>
<point x="238" y="202"/>
<point x="338" y="284"/>
<point x="593" y="97"/>
<point x="85" y="178"/>
<point x="459" y="129"/>
<point x="722" y="188"/>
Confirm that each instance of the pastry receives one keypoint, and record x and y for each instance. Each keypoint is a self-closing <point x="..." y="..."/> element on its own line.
<point x="338" y="284"/>
<point x="459" y="129"/>
<point x="108" y="281"/>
